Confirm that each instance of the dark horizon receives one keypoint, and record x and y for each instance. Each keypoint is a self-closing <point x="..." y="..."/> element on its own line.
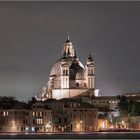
<point x="33" y="33"/>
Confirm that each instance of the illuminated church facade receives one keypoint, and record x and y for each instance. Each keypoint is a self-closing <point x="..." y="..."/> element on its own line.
<point x="69" y="77"/>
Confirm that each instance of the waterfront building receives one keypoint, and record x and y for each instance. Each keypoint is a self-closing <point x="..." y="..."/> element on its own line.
<point x="40" y="117"/>
<point x="65" y="115"/>
<point x="133" y="96"/>
<point x="14" y="118"/>
<point x="134" y="122"/>
<point x="106" y="102"/>
<point x="72" y="115"/>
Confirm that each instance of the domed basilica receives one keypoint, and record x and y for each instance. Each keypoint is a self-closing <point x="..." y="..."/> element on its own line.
<point x="69" y="77"/>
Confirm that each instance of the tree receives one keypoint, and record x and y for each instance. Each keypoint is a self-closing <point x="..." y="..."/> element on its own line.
<point x="123" y="106"/>
<point x="128" y="107"/>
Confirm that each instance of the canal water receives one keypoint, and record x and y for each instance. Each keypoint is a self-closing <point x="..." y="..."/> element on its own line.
<point x="94" y="135"/>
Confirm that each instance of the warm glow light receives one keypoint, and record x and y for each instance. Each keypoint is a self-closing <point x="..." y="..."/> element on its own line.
<point x="4" y="113"/>
<point x="33" y="113"/>
<point x="103" y="125"/>
<point x="13" y="122"/>
<point x="26" y="128"/>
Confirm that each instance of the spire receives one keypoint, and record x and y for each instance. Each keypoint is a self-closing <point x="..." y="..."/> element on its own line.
<point x="68" y="37"/>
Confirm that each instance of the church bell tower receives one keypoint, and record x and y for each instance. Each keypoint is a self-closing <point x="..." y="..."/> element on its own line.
<point x="89" y="73"/>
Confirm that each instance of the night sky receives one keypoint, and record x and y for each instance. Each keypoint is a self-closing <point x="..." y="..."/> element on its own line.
<point x="32" y="35"/>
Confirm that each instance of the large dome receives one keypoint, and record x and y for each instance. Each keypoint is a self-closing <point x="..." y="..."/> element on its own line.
<point x="75" y="66"/>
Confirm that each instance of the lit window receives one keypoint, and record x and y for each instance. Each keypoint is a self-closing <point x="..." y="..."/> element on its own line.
<point x="4" y="113"/>
<point x="33" y="113"/>
<point x="33" y="129"/>
<point x="26" y="128"/>
<point x="113" y="102"/>
<point x="36" y="113"/>
<point x="39" y="121"/>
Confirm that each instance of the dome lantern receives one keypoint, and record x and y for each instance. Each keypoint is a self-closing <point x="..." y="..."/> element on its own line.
<point x="68" y="49"/>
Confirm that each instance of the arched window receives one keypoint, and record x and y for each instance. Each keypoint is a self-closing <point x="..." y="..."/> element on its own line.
<point x="84" y="84"/>
<point x="66" y="72"/>
<point x="63" y="72"/>
<point x="77" y="84"/>
<point x="91" y="71"/>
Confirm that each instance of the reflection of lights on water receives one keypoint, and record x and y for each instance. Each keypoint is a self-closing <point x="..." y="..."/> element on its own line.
<point x="26" y="133"/>
<point x="13" y="134"/>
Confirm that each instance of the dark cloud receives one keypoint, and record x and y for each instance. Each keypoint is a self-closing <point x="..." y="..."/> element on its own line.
<point x="32" y="35"/>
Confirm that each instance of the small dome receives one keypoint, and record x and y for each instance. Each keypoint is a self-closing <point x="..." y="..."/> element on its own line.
<point x="89" y="58"/>
<point x="68" y="41"/>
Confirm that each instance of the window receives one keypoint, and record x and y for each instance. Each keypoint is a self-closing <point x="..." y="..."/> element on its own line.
<point x="77" y="84"/>
<point x="40" y="113"/>
<point x="66" y="72"/>
<point x="63" y="72"/>
<point x="39" y="121"/>
<point x="33" y="121"/>
<point x="65" y="120"/>
<point x="33" y="113"/>
<point x="91" y="71"/>
<point x="59" y="120"/>
<point x="84" y="84"/>
<point x="4" y="113"/>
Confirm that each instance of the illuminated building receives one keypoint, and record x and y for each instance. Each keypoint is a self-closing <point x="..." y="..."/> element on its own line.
<point x="69" y="77"/>
<point x="106" y="102"/>
<point x="71" y="115"/>
<point x="40" y="118"/>
<point x="14" y="118"/>
<point x="65" y="115"/>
